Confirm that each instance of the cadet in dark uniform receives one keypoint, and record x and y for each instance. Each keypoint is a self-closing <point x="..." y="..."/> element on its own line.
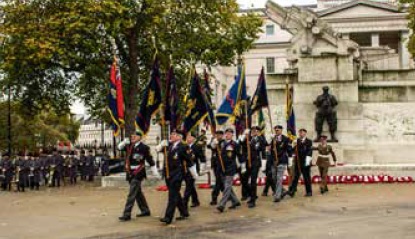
<point x="21" y="171"/>
<point x="323" y="161"/>
<point x="138" y="154"/>
<point x="216" y="165"/>
<point x="90" y="166"/>
<point x="270" y="181"/>
<point x="229" y="153"/>
<point x="197" y="157"/>
<point x="6" y="167"/>
<point x="175" y="167"/>
<point x="303" y="151"/>
<point x="105" y="161"/>
<point x="202" y="142"/>
<point x="257" y="144"/>
<point x="43" y="160"/>
<point x="280" y="150"/>
<point x="55" y="164"/>
<point x="82" y="168"/>
<point x="72" y="165"/>
<point x="34" y="172"/>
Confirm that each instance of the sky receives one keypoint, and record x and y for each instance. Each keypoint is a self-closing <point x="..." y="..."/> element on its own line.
<point x="78" y="108"/>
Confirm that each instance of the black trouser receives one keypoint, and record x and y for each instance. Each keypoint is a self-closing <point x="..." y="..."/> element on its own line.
<point x="34" y="182"/>
<point x="190" y="190"/>
<point x="21" y="184"/>
<point x="6" y="183"/>
<point x="135" y="195"/>
<point x="269" y="182"/>
<point x="305" y="171"/>
<point x="83" y="172"/>
<point x="218" y="186"/>
<point x="72" y="176"/>
<point x="249" y="182"/>
<point x="175" y="199"/>
<point x="56" y="179"/>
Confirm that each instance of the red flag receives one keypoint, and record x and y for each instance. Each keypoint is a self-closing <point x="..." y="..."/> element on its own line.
<point x="117" y="81"/>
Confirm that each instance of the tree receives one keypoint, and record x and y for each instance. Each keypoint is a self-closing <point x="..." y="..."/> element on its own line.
<point x="411" y="24"/>
<point x="44" y="129"/>
<point x="58" y="49"/>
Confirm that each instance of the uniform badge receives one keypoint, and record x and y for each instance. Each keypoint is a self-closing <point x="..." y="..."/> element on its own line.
<point x="176" y="156"/>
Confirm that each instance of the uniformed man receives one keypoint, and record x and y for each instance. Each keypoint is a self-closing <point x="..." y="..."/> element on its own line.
<point x="21" y="171"/>
<point x="202" y="142"/>
<point x="302" y="154"/>
<point x="197" y="157"/>
<point x="90" y="165"/>
<point x="82" y="168"/>
<point x="55" y="165"/>
<point x="323" y="161"/>
<point x="6" y="170"/>
<point x="257" y="144"/>
<point x="175" y="167"/>
<point x="72" y="165"/>
<point x="229" y="153"/>
<point x="280" y="151"/>
<point x="216" y="165"/>
<point x="34" y="171"/>
<point x="105" y="161"/>
<point x="138" y="154"/>
<point x="43" y="159"/>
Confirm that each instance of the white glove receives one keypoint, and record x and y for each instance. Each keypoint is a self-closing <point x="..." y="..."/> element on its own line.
<point x="242" y="138"/>
<point x="246" y="132"/>
<point x="164" y="143"/>
<point x="269" y="139"/>
<point x="123" y="143"/>
<point x="214" y="143"/>
<point x="159" y="148"/>
<point x="193" y="172"/>
<point x="238" y="164"/>
<point x="308" y="160"/>
<point x="290" y="161"/>
<point x="155" y="172"/>
<point x="243" y="168"/>
<point x="294" y="143"/>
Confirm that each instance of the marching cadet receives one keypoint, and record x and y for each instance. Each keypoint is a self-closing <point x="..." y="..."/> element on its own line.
<point x="137" y="154"/>
<point x="257" y="145"/>
<point x="229" y="153"/>
<point x="270" y="181"/>
<point x="216" y="165"/>
<point x="72" y="165"/>
<point x="44" y="159"/>
<point x="55" y="165"/>
<point x="90" y="166"/>
<point x="323" y="161"/>
<point x="175" y="167"/>
<point x="197" y="157"/>
<point x="6" y="170"/>
<point x="302" y="154"/>
<point x="202" y="142"/>
<point x="280" y="153"/>
<point x="34" y="171"/>
<point x="82" y="168"/>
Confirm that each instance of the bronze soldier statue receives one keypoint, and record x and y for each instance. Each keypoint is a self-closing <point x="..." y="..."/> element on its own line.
<point x="326" y="104"/>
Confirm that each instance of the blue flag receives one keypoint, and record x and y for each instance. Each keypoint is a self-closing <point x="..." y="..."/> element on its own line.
<point x="290" y="115"/>
<point x="151" y="101"/>
<point x="171" y="100"/>
<point x="260" y="98"/>
<point x="230" y="106"/>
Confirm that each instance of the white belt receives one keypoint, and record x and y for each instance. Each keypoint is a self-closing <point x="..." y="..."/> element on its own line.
<point x="323" y="156"/>
<point x="134" y="167"/>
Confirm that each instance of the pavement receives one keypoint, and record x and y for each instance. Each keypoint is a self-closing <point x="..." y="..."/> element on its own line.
<point x="87" y="211"/>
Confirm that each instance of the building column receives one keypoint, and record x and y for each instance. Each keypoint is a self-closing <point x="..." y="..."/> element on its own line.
<point x="375" y="39"/>
<point x="404" y="55"/>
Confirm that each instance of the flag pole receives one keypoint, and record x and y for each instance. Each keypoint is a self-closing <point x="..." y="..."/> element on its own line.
<point x="248" y="136"/>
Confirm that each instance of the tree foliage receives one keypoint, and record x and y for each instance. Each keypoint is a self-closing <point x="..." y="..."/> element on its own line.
<point x="43" y="129"/>
<point x="410" y="4"/>
<point x="57" y="49"/>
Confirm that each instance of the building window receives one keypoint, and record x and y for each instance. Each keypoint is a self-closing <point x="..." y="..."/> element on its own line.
<point x="270" y="65"/>
<point x="269" y="29"/>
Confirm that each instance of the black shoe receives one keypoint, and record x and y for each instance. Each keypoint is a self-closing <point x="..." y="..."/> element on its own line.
<point x="195" y="204"/>
<point x="124" y="218"/>
<point x="251" y="205"/>
<point x="289" y="193"/>
<point x="322" y="191"/>
<point x="144" y="214"/>
<point x="277" y="199"/>
<point x="308" y="195"/>
<point x="244" y="199"/>
<point x="220" y="209"/>
<point x="165" y="220"/>
<point x="264" y="194"/>
<point x="213" y="203"/>
<point x="234" y="206"/>
<point x="326" y="189"/>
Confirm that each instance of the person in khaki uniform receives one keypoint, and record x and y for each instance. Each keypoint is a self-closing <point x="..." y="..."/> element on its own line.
<point x="323" y="161"/>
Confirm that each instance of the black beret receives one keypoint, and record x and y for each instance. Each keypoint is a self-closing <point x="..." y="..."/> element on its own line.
<point x="219" y="132"/>
<point x="303" y="130"/>
<point x="278" y="127"/>
<point x="6" y="154"/>
<point x="179" y="132"/>
<point x="323" y="136"/>
<point x="138" y="133"/>
<point x="255" y="128"/>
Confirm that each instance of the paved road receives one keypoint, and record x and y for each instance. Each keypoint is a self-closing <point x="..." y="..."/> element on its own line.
<point x="352" y="211"/>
